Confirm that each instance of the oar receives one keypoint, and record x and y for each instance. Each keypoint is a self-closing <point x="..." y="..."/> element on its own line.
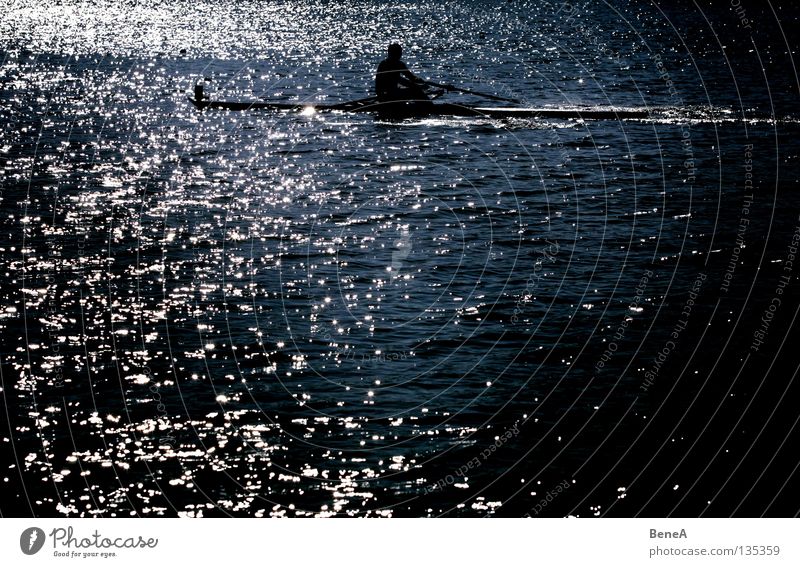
<point x="476" y="93"/>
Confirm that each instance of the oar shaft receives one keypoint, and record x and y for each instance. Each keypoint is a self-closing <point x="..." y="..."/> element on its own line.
<point x="476" y="93"/>
<point x="493" y="97"/>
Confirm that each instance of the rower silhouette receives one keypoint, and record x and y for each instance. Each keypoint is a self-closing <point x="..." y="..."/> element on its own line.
<point x="394" y="82"/>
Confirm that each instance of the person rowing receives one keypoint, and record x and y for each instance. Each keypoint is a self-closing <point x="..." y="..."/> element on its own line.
<point x="395" y="82"/>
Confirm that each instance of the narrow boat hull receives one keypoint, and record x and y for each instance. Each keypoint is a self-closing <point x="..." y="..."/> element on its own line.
<point x="399" y="110"/>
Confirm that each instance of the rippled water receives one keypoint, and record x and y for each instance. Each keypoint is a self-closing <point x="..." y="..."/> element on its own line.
<point x="275" y="313"/>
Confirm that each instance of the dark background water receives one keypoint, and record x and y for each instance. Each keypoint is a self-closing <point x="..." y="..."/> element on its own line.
<point x="279" y="314"/>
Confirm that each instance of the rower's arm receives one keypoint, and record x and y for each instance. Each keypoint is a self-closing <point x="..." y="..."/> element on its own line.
<point x="413" y="79"/>
<point x="410" y="78"/>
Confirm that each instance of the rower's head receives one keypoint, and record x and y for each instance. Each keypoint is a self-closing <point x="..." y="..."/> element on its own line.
<point x="395" y="51"/>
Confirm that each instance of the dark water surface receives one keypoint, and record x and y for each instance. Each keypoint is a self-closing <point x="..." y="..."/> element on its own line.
<point x="260" y="313"/>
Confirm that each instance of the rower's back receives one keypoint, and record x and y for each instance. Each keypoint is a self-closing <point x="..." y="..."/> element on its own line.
<point x="388" y="78"/>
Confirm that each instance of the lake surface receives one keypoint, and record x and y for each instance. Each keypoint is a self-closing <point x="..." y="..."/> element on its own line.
<point x="313" y="314"/>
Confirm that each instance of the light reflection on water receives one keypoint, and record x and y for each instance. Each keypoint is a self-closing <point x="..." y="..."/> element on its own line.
<point x="274" y="314"/>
